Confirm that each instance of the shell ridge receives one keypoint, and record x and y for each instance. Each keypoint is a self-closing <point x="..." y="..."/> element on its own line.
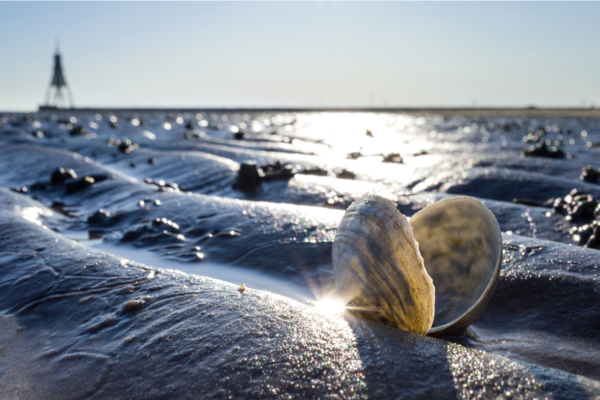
<point x="388" y="268"/>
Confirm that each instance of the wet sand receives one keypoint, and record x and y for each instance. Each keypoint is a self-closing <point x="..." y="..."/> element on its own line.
<point x="165" y="192"/>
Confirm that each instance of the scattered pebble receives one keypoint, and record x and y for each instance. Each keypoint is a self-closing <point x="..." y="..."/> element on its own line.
<point x="590" y="175"/>
<point x="393" y="158"/>
<point x="345" y="174"/>
<point x="132" y="305"/>
<point x="60" y="175"/>
<point x="77" y="185"/>
<point x="249" y="177"/>
<point x="99" y="217"/>
<point x="543" y="150"/>
<point x="78" y="130"/>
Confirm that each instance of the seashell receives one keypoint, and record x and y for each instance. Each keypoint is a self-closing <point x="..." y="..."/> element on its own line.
<point x="433" y="275"/>
<point x="378" y="269"/>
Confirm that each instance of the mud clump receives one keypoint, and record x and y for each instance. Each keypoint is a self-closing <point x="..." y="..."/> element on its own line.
<point x="590" y="175"/>
<point x="249" y="177"/>
<point x="543" y="150"/>
<point x="60" y="175"/>
<point x="576" y="206"/>
<point x="345" y="174"/>
<point x="132" y="305"/>
<point x="190" y="125"/>
<point x="159" y="230"/>
<point x="39" y="134"/>
<point x="126" y="146"/>
<point x="582" y="210"/>
<point x="78" y="130"/>
<point x="393" y="158"/>
<point x="316" y="171"/>
<point x="239" y="135"/>
<point x="278" y="170"/>
<point x="77" y="185"/>
<point x="100" y="217"/>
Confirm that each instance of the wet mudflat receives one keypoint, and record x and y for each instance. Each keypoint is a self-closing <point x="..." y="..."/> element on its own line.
<point x="100" y="211"/>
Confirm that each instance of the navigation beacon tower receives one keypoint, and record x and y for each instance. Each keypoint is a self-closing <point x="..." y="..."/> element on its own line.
<point x="58" y="86"/>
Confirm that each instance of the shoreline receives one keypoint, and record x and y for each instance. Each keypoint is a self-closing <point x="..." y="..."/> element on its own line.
<point x="556" y="112"/>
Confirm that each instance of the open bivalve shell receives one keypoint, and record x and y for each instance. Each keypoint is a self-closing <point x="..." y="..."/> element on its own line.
<point x="433" y="275"/>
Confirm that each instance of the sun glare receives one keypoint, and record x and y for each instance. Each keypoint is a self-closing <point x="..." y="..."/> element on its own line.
<point x="330" y="306"/>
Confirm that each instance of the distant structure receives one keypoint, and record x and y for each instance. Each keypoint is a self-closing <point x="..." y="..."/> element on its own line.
<point x="55" y="95"/>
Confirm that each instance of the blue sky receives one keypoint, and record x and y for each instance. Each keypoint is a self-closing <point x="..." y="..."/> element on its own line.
<point x="303" y="54"/>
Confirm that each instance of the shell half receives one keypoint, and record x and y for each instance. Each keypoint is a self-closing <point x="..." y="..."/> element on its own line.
<point x="461" y="245"/>
<point x="378" y="269"/>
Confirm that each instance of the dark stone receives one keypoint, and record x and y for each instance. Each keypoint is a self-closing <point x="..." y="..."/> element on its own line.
<point x="38" y="134"/>
<point x="249" y="177"/>
<point x="190" y="126"/>
<point x="393" y="158"/>
<point x="560" y="207"/>
<point x="239" y="135"/>
<point x="100" y="177"/>
<point x="100" y="217"/>
<point x="582" y="234"/>
<point x="590" y="175"/>
<point x="77" y="185"/>
<point x="133" y="164"/>
<point x="60" y="175"/>
<point x="277" y="171"/>
<point x="317" y="171"/>
<point x="593" y="242"/>
<point x="78" y="130"/>
<point x="354" y="155"/>
<point x="542" y="150"/>
<point x="345" y="174"/>
<point x="127" y="147"/>
<point x="113" y="124"/>
<point x="584" y="211"/>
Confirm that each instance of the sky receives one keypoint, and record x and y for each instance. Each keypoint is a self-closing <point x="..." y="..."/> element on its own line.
<point x="303" y="54"/>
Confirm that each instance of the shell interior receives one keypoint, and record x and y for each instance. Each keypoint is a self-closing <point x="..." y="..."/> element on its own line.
<point x="461" y="245"/>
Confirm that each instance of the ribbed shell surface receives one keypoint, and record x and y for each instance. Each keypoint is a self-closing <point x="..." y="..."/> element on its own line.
<point x="378" y="269"/>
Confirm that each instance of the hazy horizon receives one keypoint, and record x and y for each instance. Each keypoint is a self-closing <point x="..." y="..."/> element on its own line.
<point x="303" y="54"/>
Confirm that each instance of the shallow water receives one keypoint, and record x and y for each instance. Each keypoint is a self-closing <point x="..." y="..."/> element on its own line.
<point x="277" y="237"/>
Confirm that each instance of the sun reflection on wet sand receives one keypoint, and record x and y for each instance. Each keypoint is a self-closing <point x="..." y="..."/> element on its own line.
<point x="330" y="306"/>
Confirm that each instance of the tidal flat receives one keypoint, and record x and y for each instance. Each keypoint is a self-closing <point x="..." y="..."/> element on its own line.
<point x="125" y="237"/>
